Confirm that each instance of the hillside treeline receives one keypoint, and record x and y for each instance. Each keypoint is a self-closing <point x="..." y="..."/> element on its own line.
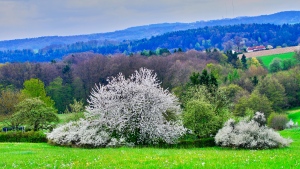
<point x="207" y="89"/>
<point x="74" y="76"/>
<point x="236" y="37"/>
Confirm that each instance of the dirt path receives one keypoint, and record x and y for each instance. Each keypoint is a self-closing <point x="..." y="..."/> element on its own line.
<point x="270" y="52"/>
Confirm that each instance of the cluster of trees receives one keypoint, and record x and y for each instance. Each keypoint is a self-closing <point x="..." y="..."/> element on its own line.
<point x="236" y="37"/>
<point x="33" y="108"/>
<point x="226" y="87"/>
<point x="29" y="106"/>
<point x="137" y="111"/>
<point x="75" y="76"/>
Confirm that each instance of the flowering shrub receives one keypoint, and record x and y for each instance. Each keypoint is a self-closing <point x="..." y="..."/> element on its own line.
<point x="291" y="124"/>
<point x="252" y="134"/>
<point x="131" y="111"/>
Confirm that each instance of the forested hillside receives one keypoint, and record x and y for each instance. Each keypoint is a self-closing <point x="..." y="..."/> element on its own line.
<point x="147" y="31"/>
<point x="225" y="38"/>
<point x="75" y="76"/>
<point x="206" y="89"/>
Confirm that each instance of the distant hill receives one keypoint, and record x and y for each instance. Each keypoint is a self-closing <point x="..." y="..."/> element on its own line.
<point x="236" y="37"/>
<point x="147" y="31"/>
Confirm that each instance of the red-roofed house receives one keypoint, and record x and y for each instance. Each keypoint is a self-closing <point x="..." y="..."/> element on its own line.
<point x="256" y="48"/>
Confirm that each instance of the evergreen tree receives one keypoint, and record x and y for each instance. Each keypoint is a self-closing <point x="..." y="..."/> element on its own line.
<point x="208" y="80"/>
<point x="244" y="61"/>
<point x="194" y="78"/>
<point x="254" y="80"/>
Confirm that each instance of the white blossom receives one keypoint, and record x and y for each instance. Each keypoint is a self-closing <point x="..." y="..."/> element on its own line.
<point x="133" y="109"/>
<point x="250" y="134"/>
<point x="291" y="124"/>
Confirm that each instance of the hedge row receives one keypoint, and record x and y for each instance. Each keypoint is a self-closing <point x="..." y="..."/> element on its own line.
<point x="30" y="136"/>
<point x="40" y="137"/>
<point x="196" y="143"/>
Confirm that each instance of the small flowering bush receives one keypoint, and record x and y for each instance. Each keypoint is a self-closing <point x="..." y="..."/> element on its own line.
<point x="133" y="111"/>
<point x="291" y="124"/>
<point x="250" y="133"/>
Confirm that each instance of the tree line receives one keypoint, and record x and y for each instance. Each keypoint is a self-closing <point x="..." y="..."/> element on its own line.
<point x="225" y="38"/>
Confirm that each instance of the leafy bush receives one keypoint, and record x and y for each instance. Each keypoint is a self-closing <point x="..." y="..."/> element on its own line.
<point x="250" y="134"/>
<point x="275" y="66"/>
<point x="126" y="111"/>
<point x="203" y="142"/>
<point x="30" y="136"/>
<point x="205" y="112"/>
<point x="200" y="118"/>
<point x="277" y="121"/>
<point x="256" y="102"/>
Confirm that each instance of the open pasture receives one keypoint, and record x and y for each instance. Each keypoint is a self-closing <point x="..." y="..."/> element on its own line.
<point x="269" y="58"/>
<point x="42" y="155"/>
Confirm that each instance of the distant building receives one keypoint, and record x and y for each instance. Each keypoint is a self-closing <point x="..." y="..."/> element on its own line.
<point x="256" y="48"/>
<point x="270" y="47"/>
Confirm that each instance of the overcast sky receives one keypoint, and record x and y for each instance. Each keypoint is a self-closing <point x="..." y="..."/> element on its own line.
<point x="34" y="18"/>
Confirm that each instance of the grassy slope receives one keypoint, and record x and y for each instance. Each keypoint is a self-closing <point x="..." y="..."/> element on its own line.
<point x="294" y="114"/>
<point x="268" y="59"/>
<point x="28" y="155"/>
<point x="63" y="118"/>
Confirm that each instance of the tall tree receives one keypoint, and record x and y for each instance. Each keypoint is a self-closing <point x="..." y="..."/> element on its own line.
<point x="274" y="91"/>
<point x="35" y="88"/>
<point x="244" y="61"/>
<point x="256" y="102"/>
<point x="61" y="94"/>
<point x="208" y="80"/>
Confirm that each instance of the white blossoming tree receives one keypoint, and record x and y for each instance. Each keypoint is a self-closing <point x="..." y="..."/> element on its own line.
<point x="250" y="134"/>
<point x="134" y="110"/>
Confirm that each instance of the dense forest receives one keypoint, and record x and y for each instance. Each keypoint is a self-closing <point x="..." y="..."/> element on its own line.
<point x="75" y="76"/>
<point x="236" y="37"/>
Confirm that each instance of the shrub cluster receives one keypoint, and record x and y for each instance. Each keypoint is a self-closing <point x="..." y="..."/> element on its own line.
<point x="250" y="134"/>
<point x="18" y="136"/>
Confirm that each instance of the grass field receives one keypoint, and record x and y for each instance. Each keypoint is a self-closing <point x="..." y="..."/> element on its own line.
<point x="42" y="155"/>
<point x="294" y="114"/>
<point x="268" y="59"/>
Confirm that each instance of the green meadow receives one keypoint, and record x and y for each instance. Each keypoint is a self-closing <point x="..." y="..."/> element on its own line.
<point x="294" y="114"/>
<point x="43" y="155"/>
<point x="268" y="59"/>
